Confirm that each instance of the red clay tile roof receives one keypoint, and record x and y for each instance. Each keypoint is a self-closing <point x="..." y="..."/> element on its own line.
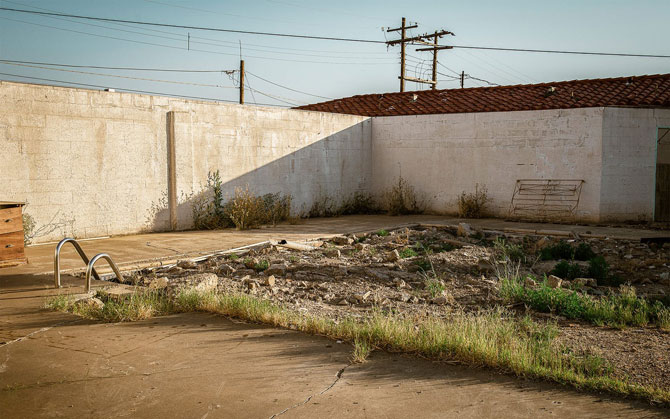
<point x="641" y="91"/>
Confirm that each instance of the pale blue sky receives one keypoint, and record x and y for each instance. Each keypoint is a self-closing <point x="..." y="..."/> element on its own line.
<point x="326" y="68"/>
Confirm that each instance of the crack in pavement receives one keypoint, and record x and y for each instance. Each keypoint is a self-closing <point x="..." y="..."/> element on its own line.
<point x="44" y="329"/>
<point x="162" y="248"/>
<point x="304" y="402"/>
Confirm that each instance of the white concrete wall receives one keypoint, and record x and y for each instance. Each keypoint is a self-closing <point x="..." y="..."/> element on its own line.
<point x="443" y="155"/>
<point x="94" y="163"/>
<point x="629" y="162"/>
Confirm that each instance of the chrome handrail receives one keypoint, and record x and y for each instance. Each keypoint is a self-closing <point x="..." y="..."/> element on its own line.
<point x="90" y="269"/>
<point x="57" y="259"/>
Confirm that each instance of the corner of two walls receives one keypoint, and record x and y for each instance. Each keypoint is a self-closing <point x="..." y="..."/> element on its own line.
<point x="309" y="155"/>
<point x="629" y="162"/>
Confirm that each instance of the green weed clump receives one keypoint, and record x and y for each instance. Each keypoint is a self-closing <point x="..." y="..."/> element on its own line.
<point x="567" y="270"/>
<point x="407" y="252"/>
<point x="560" y="250"/>
<point x="262" y="265"/>
<point x="615" y="310"/>
<point x="382" y="233"/>
<point x="509" y="251"/>
<point x="356" y="203"/>
<point x="584" y="252"/>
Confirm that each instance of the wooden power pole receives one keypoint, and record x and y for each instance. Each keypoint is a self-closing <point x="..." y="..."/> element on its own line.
<point x="462" y="78"/>
<point x="401" y="41"/>
<point x="241" y="82"/>
<point x="421" y="39"/>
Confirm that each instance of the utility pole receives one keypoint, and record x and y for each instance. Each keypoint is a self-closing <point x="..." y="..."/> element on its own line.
<point x="241" y="82"/>
<point x="401" y="41"/>
<point x="434" y="85"/>
<point x="421" y="39"/>
<point x="462" y="78"/>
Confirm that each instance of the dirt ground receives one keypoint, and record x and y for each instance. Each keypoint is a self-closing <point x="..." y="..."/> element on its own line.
<point x="433" y="271"/>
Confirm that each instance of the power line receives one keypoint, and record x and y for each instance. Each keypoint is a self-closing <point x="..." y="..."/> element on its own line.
<point x="120" y="77"/>
<point x="202" y="28"/>
<point x="287" y="88"/>
<point x="550" y="51"/>
<point x="115" y="68"/>
<point x="325" y="38"/>
<point x="186" y="49"/>
<point x="184" y="38"/>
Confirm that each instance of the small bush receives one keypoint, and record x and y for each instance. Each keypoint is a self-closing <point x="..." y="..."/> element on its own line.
<point x="584" y="252"/>
<point x="401" y="199"/>
<point x="358" y="203"/>
<point x="599" y="270"/>
<point x="423" y="264"/>
<point x="246" y="209"/>
<point x="28" y="228"/>
<point x="560" y="250"/>
<point x="407" y="252"/>
<point x="567" y="270"/>
<point x="208" y="209"/>
<point x="382" y="233"/>
<point x="262" y="265"/>
<point x="509" y="251"/>
<point x="472" y="205"/>
<point x="434" y="286"/>
<point x="276" y="208"/>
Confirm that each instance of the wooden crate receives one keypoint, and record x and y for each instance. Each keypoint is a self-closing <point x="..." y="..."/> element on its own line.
<point x="11" y="234"/>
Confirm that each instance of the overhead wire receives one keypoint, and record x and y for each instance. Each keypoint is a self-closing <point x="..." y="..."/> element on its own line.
<point x="326" y="38"/>
<point x="287" y="88"/>
<point x="118" y="76"/>
<point x="191" y="49"/>
<point x="181" y="70"/>
<point x="126" y="89"/>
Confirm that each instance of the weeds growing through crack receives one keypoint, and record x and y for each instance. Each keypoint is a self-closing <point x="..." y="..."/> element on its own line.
<point x="362" y="350"/>
<point x="493" y="338"/>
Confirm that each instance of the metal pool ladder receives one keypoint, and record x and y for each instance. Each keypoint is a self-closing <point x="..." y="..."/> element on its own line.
<point x="89" y="264"/>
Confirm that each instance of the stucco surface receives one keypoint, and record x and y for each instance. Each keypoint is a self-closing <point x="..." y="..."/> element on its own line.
<point x="94" y="163"/>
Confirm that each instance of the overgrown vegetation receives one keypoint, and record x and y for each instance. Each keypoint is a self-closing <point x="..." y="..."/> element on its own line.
<point x="473" y="205"/>
<point x="615" y="309"/>
<point x="598" y="267"/>
<point x="245" y="210"/>
<point x="28" y="228"/>
<point x="356" y="203"/>
<point x="401" y="199"/>
<point x="492" y="338"/>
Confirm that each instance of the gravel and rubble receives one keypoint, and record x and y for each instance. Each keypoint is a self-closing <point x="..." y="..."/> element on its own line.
<point x="431" y="271"/>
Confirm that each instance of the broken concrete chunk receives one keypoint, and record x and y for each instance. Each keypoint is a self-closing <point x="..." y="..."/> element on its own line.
<point x="485" y="265"/>
<point x="332" y="253"/>
<point x="270" y="281"/>
<point x="342" y="240"/>
<point x="392" y="256"/>
<point x="529" y="283"/>
<point x="278" y="269"/>
<point x="464" y="230"/>
<point x="187" y="264"/>
<point x="554" y="282"/>
<point x="202" y="282"/>
<point x="95" y="302"/>
<point x="584" y="282"/>
<point x="159" y="283"/>
<point x="226" y="269"/>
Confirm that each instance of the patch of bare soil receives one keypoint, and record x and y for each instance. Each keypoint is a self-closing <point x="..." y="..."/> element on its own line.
<point x="430" y="271"/>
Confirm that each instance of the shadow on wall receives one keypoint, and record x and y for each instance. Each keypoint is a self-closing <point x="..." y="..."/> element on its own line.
<point x="335" y="167"/>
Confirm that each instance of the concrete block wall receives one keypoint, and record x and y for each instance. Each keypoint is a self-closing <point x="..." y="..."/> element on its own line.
<point x="444" y="155"/>
<point x="94" y="163"/>
<point x="629" y="162"/>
